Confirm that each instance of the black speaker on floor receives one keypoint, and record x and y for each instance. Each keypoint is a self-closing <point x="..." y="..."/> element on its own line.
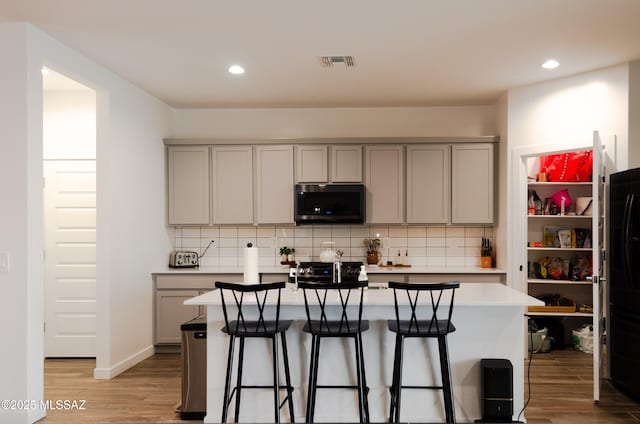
<point x="496" y="379"/>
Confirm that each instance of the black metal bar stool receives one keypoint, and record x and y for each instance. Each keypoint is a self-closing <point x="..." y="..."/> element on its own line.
<point x="420" y="319"/>
<point x="248" y="317"/>
<point x="342" y="323"/>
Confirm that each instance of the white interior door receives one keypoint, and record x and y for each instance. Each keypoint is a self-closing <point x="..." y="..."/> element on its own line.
<point x="70" y="258"/>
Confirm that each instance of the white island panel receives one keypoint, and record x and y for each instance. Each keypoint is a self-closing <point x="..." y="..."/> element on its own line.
<point x="490" y="324"/>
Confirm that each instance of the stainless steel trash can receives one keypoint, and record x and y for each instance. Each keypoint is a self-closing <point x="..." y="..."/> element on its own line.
<point x="194" y="369"/>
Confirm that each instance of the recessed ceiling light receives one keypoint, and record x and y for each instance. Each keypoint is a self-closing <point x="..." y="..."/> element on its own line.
<point x="44" y="70"/>
<point x="236" y="69"/>
<point x="550" y="64"/>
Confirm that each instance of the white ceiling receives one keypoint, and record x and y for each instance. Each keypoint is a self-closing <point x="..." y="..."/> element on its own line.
<point x="407" y="52"/>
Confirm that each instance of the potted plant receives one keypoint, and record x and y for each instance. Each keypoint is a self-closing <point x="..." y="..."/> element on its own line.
<point x="373" y="252"/>
<point x="285" y="253"/>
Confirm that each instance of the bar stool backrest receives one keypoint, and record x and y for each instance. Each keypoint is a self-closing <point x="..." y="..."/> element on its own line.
<point x="424" y="315"/>
<point x="329" y="306"/>
<point x="247" y="308"/>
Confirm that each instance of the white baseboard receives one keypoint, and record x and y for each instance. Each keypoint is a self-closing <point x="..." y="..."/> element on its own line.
<point x="125" y="364"/>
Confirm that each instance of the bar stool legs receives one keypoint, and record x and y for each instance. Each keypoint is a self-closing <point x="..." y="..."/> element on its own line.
<point x="239" y="382"/>
<point x="229" y="394"/>
<point x="227" y="381"/>
<point x="287" y="376"/>
<point x="361" y="380"/>
<point x="396" y="385"/>
<point x="446" y="380"/>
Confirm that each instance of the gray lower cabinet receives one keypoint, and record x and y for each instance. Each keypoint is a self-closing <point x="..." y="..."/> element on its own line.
<point x="170" y="292"/>
<point x="462" y="278"/>
<point x="169" y="311"/>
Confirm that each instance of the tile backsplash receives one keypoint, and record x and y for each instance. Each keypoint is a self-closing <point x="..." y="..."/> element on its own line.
<point x="428" y="245"/>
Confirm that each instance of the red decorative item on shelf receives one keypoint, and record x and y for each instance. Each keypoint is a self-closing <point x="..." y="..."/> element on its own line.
<point x="561" y="195"/>
<point x="568" y="167"/>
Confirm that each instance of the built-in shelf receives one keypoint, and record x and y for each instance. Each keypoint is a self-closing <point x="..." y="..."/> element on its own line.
<point x="561" y="249"/>
<point x="560" y="314"/>
<point x="563" y="184"/>
<point x="559" y="217"/>
<point x="549" y="281"/>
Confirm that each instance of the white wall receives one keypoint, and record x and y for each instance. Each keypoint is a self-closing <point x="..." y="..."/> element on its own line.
<point x="130" y="156"/>
<point x="565" y="112"/>
<point x="335" y="122"/>
<point x="562" y="114"/>
<point x="21" y="305"/>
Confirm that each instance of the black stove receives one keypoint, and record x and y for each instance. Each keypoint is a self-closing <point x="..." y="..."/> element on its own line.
<point x="322" y="271"/>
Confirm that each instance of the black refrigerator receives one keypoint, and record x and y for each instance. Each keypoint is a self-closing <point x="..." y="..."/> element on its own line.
<point x="624" y="281"/>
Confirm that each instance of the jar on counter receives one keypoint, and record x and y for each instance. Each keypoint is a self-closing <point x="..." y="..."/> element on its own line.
<point x="327" y="252"/>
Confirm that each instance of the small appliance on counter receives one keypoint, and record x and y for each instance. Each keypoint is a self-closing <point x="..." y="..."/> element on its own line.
<point x="186" y="258"/>
<point x="323" y="272"/>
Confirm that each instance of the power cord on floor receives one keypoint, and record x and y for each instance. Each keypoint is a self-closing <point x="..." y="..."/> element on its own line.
<point x="533" y="352"/>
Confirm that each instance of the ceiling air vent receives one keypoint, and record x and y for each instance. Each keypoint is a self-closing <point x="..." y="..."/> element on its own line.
<point x="330" y="61"/>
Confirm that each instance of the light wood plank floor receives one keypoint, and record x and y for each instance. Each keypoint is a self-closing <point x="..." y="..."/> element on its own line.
<point x="150" y="391"/>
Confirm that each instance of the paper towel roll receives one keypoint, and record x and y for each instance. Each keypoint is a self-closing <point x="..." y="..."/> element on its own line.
<point x="251" y="265"/>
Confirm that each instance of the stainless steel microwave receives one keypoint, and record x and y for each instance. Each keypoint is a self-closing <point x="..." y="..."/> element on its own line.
<point x="329" y="203"/>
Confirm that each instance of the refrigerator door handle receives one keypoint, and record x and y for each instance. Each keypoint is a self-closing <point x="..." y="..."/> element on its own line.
<point x="626" y="225"/>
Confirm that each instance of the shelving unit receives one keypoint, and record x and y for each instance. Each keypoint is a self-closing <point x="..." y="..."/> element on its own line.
<point x="578" y="291"/>
<point x="588" y="293"/>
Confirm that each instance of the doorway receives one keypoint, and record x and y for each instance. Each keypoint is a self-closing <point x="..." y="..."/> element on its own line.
<point x="69" y="199"/>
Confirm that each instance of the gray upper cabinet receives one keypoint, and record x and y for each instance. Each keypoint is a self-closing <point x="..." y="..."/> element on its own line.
<point x="312" y="164"/>
<point x="385" y="184"/>
<point x="472" y="183"/>
<point x="428" y="184"/>
<point x="188" y="185"/>
<point x="346" y="164"/>
<point x="232" y="182"/>
<point x="274" y="184"/>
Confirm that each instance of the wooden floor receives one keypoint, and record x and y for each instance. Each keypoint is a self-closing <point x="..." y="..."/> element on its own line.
<point x="150" y="391"/>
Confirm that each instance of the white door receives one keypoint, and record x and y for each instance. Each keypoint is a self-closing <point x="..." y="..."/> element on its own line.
<point x="70" y="258"/>
<point x="598" y="208"/>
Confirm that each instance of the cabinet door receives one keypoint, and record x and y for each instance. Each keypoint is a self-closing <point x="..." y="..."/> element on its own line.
<point x="311" y="164"/>
<point x="171" y="312"/>
<point x="274" y="167"/>
<point x="385" y="184"/>
<point x="188" y="173"/>
<point x="346" y="164"/>
<point x="472" y="183"/>
<point x="232" y="183"/>
<point x="428" y="184"/>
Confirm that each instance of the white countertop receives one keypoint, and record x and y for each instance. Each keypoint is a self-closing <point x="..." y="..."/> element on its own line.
<point x="370" y="269"/>
<point x="472" y="294"/>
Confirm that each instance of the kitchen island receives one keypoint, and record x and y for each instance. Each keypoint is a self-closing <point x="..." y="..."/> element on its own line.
<point x="490" y="323"/>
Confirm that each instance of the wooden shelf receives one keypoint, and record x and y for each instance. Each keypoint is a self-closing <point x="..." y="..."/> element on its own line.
<point x="550" y="281"/>
<point x="560" y="216"/>
<point x="560" y="314"/>
<point x="561" y="249"/>
<point x="559" y="183"/>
